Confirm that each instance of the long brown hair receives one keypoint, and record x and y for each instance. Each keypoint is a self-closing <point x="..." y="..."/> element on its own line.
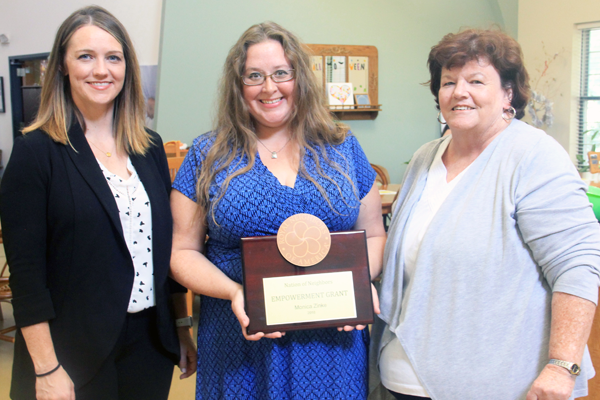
<point x="311" y="124"/>
<point x="57" y="107"/>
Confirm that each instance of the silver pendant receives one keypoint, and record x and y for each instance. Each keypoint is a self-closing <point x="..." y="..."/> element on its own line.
<point x="273" y="154"/>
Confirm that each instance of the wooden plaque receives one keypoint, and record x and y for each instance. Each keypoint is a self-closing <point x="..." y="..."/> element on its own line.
<point x="261" y="259"/>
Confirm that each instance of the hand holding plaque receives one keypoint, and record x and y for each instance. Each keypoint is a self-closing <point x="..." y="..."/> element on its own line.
<point x="306" y="278"/>
<point x="238" y="308"/>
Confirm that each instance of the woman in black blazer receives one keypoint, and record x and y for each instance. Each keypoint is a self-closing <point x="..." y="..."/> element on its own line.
<point x="87" y="230"/>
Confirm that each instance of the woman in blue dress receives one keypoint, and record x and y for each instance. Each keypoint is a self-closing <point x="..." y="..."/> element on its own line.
<point x="275" y="152"/>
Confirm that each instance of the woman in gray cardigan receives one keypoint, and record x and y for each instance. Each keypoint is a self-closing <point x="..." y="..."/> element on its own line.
<point x="492" y="260"/>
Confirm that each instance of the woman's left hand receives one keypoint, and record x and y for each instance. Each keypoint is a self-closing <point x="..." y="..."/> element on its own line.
<point x="553" y="383"/>
<point x="348" y="328"/>
<point x="189" y="357"/>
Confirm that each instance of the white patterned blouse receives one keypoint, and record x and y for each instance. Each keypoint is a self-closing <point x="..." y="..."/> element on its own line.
<point x="136" y="219"/>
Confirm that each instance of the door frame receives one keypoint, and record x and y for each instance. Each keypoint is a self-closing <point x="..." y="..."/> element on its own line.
<point x="16" y="95"/>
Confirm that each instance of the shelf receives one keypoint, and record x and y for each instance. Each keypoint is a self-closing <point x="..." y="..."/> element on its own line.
<point x="353" y="112"/>
<point x="356" y="112"/>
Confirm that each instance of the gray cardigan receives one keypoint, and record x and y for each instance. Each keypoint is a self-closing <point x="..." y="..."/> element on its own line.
<point x="518" y="226"/>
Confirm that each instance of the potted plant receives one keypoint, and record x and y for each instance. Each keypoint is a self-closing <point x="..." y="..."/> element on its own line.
<point x="582" y="163"/>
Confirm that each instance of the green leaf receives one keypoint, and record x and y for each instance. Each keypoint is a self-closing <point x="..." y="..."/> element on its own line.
<point x="595" y="133"/>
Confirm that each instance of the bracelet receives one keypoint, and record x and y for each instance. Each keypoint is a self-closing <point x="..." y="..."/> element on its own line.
<point x="48" y="373"/>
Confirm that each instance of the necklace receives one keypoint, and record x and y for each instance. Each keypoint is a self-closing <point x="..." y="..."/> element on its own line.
<point x="274" y="153"/>
<point x="108" y="153"/>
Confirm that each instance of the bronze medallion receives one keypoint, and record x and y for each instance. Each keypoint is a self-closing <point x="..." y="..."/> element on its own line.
<point x="303" y="240"/>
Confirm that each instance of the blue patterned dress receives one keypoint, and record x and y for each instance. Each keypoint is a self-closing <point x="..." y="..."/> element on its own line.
<point x="313" y="364"/>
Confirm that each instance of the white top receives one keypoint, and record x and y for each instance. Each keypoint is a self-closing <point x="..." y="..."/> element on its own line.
<point x="136" y="220"/>
<point x="397" y="373"/>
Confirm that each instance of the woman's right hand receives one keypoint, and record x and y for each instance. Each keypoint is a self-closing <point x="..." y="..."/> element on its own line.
<point x="237" y="305"/>
<point x="56" y="386"/>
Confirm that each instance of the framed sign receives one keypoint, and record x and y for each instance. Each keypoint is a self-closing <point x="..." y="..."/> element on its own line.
<point x="282" y="296"/>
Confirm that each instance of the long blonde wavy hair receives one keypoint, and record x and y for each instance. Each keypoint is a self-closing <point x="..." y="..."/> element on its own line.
<point x="311" y="124"/>
<point x="57" y="108"/>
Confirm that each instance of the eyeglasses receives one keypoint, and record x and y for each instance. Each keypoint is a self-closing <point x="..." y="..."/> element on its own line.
<point x="257" y="78"/>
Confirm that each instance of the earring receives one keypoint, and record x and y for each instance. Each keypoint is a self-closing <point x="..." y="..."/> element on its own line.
<point x="511" y="112"/>
<point x="438" y="118"/>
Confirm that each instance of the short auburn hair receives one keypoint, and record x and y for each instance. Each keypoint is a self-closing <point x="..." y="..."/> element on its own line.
<point x="494" y="46"/>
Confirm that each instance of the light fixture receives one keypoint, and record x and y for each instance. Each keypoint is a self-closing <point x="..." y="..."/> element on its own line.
<point x="4" y="39"/>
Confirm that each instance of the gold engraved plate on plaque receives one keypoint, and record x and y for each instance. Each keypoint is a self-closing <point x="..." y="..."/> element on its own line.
<point x="303" y="240"/>
<point x="309" y="298"/>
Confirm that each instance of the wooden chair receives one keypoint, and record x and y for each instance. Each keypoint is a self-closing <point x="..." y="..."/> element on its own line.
<point x="174" y="165"/>
<point x="395" y="198"/>
<point x="5" y="297"/>
<point x="173" y="149"/>
<point x="383" y="177"/>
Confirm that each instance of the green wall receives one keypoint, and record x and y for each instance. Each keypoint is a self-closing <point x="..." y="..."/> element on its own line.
<point x="197" y="34"/>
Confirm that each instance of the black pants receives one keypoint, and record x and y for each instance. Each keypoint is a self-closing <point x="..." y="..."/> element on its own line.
<point x="137" y="368"/>
<point x="401" y="396"/>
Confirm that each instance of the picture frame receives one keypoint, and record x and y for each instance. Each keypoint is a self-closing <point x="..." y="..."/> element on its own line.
<point x="2" y="107"/>
<point x="362" y="100"/>
<point x="340" y="95"/>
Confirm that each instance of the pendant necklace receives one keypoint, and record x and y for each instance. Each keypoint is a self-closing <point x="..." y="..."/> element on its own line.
<point x="108" y="153"/>
<point x="274" y="153"/>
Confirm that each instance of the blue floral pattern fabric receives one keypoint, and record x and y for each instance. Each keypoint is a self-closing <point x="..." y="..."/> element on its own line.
<point x="311" y="364"/>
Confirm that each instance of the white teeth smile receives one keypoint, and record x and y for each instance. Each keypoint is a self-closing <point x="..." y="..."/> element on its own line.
<point x="270" y="101"/>
<point x="462" y="108"/>
<point x="99" y="83"/>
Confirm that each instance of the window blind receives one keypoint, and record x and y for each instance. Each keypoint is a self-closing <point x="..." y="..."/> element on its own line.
<point x="589" y="99"/>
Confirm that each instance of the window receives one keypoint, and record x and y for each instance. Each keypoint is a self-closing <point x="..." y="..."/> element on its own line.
<point x="589" y="100"/>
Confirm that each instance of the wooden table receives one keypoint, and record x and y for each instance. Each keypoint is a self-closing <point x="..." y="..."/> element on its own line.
<point x="388" y="199"/>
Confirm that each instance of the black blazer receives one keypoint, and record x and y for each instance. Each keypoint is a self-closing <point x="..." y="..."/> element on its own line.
<point x="68" y="259"/>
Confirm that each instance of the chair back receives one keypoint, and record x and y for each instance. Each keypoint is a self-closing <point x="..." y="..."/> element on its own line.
<point x="5" y="296"/>
<point x="5" y="292"/>
<point x="174" y="165"/>
<point x="173" y="149"/>
<point x="383" y="177"/>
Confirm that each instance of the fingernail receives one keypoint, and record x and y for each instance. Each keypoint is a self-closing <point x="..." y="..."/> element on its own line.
<point x="184" y="370"/>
